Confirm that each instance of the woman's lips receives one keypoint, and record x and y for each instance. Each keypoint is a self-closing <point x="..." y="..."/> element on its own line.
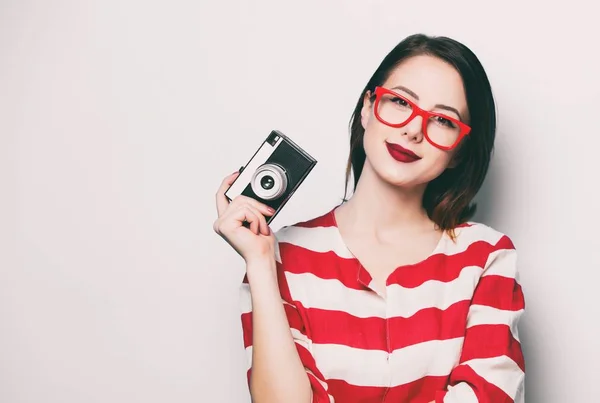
<point x="400" y="153"/>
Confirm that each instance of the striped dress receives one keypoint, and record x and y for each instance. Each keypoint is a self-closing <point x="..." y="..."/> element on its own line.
<point x="445" y="332"/>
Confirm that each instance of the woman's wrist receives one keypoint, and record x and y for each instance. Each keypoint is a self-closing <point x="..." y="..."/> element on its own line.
<point x="261" y="267"/>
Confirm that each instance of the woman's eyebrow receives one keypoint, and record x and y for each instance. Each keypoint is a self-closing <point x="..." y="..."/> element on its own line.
<point x="448" y="108"/>
<point x="410" y="92"/>
<point x="437" y="106"/>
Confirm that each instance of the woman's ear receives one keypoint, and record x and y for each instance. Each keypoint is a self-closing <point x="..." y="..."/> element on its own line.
<point x="365" y="112"/>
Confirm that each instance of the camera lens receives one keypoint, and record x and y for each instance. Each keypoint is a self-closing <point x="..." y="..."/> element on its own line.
<point x="269" y="181"/>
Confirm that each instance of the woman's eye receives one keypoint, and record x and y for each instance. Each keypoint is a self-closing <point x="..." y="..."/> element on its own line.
<point x="399" y="101"/>
<point x="445" y="122"/>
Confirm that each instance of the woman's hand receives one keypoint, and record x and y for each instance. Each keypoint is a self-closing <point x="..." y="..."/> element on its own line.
<point x="255" y="242"/>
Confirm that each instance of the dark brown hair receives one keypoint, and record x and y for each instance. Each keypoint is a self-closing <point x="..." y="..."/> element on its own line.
<point x="448" y="198"/>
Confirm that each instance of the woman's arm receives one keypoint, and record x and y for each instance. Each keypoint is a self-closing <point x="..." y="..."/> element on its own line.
<point x="492" y="367"/>
<point x="279" y="351"/>
<point x="278" y="374"/>
<point x="282" y="368"/>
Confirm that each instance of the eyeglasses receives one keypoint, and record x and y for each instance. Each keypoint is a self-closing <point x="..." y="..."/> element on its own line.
<point x="395" y="110"/>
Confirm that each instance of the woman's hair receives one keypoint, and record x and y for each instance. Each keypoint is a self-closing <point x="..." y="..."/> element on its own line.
<point x="448" y="198"/>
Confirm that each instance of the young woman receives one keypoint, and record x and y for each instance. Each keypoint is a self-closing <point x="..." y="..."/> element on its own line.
<point x="394" y="295"/>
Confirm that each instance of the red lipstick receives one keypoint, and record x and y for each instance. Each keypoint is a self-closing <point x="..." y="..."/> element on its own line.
<point x="400" y="153"/>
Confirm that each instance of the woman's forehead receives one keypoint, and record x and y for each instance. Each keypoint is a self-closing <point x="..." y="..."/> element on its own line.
<point x="430" y="80"/>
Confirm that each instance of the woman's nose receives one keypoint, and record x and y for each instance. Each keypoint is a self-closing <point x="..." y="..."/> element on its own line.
<point x="414" y="129"/>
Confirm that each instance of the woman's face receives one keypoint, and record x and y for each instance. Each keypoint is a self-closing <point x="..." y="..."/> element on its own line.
<point x="434" y="86"/>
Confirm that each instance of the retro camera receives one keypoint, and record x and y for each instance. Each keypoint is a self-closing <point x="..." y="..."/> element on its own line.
<point x="274" y="172"/>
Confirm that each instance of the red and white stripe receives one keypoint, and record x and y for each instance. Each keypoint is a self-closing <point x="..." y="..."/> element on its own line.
<point x="447" y="330"/>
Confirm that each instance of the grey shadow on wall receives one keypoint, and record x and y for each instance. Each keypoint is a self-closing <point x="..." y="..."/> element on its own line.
<point x="490" y="212"/>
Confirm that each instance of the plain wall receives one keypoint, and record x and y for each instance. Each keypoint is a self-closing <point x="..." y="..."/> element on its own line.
<point x="118" y="120"/>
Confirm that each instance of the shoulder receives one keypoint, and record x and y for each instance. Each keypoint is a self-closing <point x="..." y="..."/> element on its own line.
<point x="495" y="249"/>
<point x="478" y="233"/>
<point x="312" y="237"/>
<point x="310" y="225"/>
<point x="308" y="232"/>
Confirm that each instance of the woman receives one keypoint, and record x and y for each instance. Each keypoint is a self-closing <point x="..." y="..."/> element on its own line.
<point x="393" y="296"/>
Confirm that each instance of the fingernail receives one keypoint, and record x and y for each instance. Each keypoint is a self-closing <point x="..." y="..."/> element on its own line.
<point x="271" y="210"/>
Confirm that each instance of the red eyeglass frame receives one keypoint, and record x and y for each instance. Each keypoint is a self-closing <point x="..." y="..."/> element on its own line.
<point x="426" y="115"/>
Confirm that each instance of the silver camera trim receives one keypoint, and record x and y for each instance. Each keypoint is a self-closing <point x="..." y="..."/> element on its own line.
<point x="279" y="176"/>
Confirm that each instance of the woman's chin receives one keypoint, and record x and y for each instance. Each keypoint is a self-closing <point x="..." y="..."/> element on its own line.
<point x="402" y="176"/>
<point x="399" y="177"/>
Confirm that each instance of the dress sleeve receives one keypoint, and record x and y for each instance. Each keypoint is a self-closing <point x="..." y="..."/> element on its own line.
<point x="492" y="366"/>
<point x="297" y="328"/>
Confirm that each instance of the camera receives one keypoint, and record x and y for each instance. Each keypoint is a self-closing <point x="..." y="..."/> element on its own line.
<point x="273" y="173"/>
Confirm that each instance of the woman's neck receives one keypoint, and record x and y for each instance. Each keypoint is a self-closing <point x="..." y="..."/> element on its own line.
<point x="384" y="210"/>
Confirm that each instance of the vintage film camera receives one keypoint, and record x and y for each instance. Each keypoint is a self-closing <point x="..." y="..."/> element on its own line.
<point x="274" y="172"/>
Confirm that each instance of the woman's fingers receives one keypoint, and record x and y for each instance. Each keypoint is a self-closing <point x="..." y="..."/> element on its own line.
<point x="221" y="199"/>
<point x="223" y="203"/>
<point x="261" y="225"/>
<point x="261" y="207"/>
<point x="239" y="208"/>
<point x="256" y="221"/>
<point x="242" y="215"/>
<point x="247" y="214"/>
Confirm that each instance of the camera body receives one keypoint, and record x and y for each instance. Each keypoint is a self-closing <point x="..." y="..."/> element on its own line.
<point x="273" y="173"/>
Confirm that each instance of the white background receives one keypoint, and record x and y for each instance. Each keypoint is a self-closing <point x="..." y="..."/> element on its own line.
<point x="118" y="120"/>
